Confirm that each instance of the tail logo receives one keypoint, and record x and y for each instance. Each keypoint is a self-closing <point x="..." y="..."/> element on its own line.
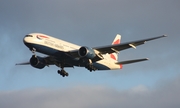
<point x="116" y="42"/>
<point x="121" y="66"/>
<point x="113" y="56"/>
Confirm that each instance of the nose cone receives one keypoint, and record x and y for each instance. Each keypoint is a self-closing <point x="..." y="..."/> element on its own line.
<point x="25" y="40"/>
<point x="28" y="40"/>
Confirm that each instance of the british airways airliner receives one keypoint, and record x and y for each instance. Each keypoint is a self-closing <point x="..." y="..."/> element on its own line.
<point x="64" y="54"/>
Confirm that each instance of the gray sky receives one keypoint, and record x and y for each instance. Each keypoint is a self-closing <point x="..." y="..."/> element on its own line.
<point x="151" y="84"/>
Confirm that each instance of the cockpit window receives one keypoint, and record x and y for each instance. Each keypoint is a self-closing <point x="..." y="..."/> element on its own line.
<point x="28" y="36"/>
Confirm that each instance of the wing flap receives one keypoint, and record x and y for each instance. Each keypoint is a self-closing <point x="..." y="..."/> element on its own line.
<point x="131" y="61"/>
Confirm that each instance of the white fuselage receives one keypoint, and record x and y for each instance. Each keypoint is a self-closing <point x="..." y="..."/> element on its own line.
<point x="44" y="41"/>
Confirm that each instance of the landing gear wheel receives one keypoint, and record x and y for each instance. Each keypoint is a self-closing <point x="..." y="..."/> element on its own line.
<point x="62" y="73"/>
<point x="59" y="72"/>
<point x="33" y="50"/>
<point x="67" y="74"/>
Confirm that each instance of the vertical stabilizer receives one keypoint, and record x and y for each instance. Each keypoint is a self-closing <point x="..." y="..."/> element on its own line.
<point x="117" y="40"/>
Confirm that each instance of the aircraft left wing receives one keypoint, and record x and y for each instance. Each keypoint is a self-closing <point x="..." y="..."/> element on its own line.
<point x="119" y="47"/>
<point x="24" y="63"/>
<point x="49" y="60"/>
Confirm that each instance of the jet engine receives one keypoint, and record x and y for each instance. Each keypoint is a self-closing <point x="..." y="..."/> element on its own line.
<point x="37" y="62"/>
<point x="87" y="52"/>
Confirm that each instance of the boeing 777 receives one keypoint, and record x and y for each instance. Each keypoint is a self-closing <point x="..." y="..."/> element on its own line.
<point x="64" y="54"/>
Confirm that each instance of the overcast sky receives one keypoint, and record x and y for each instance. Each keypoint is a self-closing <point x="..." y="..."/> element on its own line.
<point x="151" y="84"/>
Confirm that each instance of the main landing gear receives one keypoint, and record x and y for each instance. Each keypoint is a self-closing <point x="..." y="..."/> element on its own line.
<point x="63" y="73"/>
<point x="90" y="67"/>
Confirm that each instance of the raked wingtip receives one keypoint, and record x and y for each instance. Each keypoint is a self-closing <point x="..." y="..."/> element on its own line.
<point x="164" y="35"/>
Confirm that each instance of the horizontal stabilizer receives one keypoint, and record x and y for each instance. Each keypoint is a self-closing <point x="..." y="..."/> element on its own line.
<point x="132" y="61"/>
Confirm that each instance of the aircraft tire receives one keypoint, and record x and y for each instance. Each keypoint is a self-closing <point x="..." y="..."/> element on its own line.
<point x="67" y="74"/>
<point x="59" y="72"/>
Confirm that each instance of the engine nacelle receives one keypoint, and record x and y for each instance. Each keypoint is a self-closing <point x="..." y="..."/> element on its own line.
<point x="37" y="62"/>
<point x="87" y="52"/>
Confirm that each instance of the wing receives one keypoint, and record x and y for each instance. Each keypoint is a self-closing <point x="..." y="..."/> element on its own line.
<point x="114" y="48"/>
<point x="49" y="60"/>
<point x="119" y="47"/>
<point x="24" y="63"/>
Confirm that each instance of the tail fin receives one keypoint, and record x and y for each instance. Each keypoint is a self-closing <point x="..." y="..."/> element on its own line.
<point x="117" y="40"/>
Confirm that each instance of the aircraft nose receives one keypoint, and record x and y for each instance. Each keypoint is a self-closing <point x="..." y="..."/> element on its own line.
<point x="27" y="39"/>
<point x="24" y="39"/>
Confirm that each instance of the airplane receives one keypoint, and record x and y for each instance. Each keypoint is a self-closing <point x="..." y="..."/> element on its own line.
<point x="64" y="54"/>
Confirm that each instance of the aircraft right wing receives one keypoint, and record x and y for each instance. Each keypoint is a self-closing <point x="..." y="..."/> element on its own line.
<point x="113" y="48"/>
<point x="119" y="47"/>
